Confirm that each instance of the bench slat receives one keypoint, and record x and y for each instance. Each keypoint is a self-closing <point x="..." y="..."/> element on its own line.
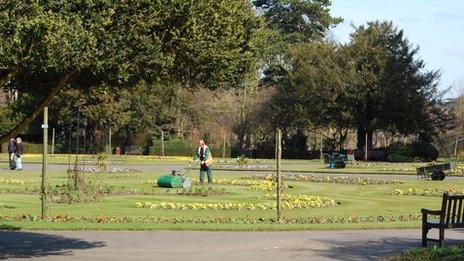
<point x="459" y="217"/>
<point x="453" y="217"/>
<point x="448" y="210"/>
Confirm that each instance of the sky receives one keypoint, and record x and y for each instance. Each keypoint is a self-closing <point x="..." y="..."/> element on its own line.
<point x="437" y="27"/>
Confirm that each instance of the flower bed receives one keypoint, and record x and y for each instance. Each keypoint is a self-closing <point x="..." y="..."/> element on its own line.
<point x="427" y="192"/>
<point x="200" y="191"/>
<point x="109" y="170"/>
<point x="16" y="181"/>
<point x="125" y="157"/>
<point x="398" y="169"/>
<point x="302" y="201"/>
<point x="217" y="220"/>
<point x="288" y="202"/>
<point x="205" y="206"/>
<point x="327" y="179"/>
<point x="265" y="185"/>
<point x="243" y="167"/>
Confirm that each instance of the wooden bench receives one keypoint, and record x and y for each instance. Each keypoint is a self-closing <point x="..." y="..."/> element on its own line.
<point x="451" y="215"/>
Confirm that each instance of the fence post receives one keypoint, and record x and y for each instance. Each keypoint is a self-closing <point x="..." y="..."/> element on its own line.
<point x="53" y="141"/>
<point x="224" y="145"/>
<point x="365" y="150"/>
<point x="279" y="173"/>
<point x="44" y="194"/>
<point x="109" y="143"/>
<point x="162" y="143"/>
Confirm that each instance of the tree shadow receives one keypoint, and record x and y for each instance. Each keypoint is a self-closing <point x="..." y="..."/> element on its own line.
<point x="5" y="227"/>
<point x="21" y="244"/>
<point x="371" y="250"/>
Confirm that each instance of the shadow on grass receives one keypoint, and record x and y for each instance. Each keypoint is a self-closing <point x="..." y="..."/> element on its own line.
<point x="5" y="227"/>
<point x="22" y="244"/>
<point x="371" y="250"/>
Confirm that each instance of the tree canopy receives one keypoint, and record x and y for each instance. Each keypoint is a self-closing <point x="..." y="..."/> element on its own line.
<point x="49" y="45"/>
<point x="391" y="89"/>
<point x="298" y="20"/>
<point x="375" y="82"/>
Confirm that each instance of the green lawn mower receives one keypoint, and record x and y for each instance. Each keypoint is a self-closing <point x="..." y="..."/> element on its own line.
<point x="177" y="179"/>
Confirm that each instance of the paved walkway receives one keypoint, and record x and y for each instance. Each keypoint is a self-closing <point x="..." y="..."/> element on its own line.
<point x="168" y="167"/>
<point x="160" y="245"/>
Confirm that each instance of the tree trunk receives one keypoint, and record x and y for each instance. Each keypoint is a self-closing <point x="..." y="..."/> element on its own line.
<point x="248" y="140"/>
<point x="343" y="135"/>
<point x="370" y="135"/>
<point x="37" y="110"/>
<point x="361" y="137"/>
<point x="241" y="138"/>
<point x="224" y="144"/>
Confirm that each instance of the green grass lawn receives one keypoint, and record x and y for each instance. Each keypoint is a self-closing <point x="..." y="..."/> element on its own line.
<point x="352" y="201"/>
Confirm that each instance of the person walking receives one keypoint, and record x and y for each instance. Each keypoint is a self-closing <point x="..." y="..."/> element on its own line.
<point x="12" y="153"/>
<point x="19" y="154"/>
<point x="205" y="158"/>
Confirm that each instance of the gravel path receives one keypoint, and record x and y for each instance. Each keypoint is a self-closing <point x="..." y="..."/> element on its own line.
<point x="167" y="168"/>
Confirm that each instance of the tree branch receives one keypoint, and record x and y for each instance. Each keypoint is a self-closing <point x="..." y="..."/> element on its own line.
<point x="38" y="109"/>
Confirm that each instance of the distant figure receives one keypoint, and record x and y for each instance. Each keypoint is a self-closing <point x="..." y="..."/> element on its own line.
<point x="12" y="153"/>
<point x="205" y="158"/>
<point x="19" y="154"/>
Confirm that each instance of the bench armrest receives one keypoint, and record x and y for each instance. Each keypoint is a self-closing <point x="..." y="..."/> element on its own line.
<point x="431" y="212"/>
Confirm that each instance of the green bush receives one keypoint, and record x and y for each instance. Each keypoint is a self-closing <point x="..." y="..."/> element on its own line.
<point x="29" y="148"/>
<point x="424" y="151"/>
<point x="432" y="253"/>
<point x="399" y="152"/>
<point x="180" y="147"/>
<point x="420" y="150"/>
<point x="173" y="147"/>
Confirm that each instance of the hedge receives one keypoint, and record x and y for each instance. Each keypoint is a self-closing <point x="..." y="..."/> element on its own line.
<point x="178" y="147"/>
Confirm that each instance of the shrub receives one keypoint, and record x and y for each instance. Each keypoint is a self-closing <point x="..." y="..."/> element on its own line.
<point x="424" y="151"/>
<point x="399" y="152"/>
<point x="173" y="147"/>
<point x="420" y="150"/>
<point x="32" y="148"/>
<point x="399" y="158"/>
<point x="432" y="253"/>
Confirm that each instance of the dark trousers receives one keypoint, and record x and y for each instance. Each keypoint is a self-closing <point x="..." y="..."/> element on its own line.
<point x="206" y="170"/>
<point x="12" y="160"/>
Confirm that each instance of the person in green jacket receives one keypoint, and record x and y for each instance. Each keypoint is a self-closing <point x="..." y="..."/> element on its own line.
<point x="205" y="159"/>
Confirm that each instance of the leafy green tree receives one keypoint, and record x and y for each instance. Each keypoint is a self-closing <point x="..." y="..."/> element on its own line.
<point x="289" y="23"/>
<point x="50" y="45"/>
<point x="389" y="87"/>
<point x="298" y="20"/>
<point x="319" y="81"/>
<point x="311" y="93"/>
<point x="95" y="111"/>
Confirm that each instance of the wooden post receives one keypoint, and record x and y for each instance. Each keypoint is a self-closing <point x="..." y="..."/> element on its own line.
<point x="365" y="149"/>
<point x="224" y="145"/>
<point x="279" y="173"/>
<point x="53" y="141"/>
<point x="76" y="161"/>
<point x="109" y="143"/>
<point x="44" y="214"/>
<point x="162" y="143"/>
<point x="321" y="149"/>
<point x="456" y="144"/>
